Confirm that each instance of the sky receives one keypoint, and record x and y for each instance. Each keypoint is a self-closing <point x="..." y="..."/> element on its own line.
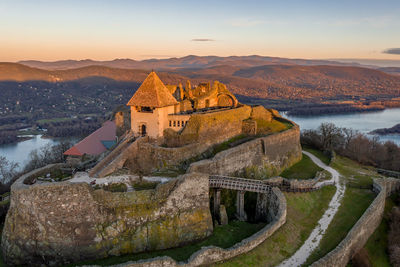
<point x="104" y="30"/>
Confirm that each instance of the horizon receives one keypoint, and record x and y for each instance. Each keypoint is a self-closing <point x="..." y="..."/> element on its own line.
<point x="363" y="62"/>
<point x="100" y="30"/>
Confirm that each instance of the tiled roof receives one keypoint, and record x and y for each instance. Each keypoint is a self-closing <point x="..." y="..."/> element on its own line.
<point x="92" y="144"/>
<point x="152" y="93"/>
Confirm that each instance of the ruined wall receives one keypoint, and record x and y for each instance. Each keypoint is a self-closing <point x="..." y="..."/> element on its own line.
<point x="364" y="228"/>
<point x="276" y="151"/>
<point x="57" y="223"/>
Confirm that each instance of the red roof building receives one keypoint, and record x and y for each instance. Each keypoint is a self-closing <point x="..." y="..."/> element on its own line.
<point x="94" y="143"/>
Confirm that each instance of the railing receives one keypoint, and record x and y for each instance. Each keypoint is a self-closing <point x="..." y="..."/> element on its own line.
<point x="241" y="184"/>
<point x="258" y="186"/>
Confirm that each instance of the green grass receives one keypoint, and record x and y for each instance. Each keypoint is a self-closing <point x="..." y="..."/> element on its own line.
<point x="377" y="244"/>
<point x="304" y="169"/>
<point x="303" y="212"/>
<point x="144" y="185"/>
<point x="353" y="206"/>
<point x="115" y="187"/>
<point x="223" y="236"/>
<point x="318" y="153"/>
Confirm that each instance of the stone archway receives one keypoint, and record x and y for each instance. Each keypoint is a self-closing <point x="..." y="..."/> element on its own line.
<point x="225" y="100"/>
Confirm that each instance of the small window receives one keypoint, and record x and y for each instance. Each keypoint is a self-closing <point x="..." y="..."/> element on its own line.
<point x="170" y="123"/>
<point x="146" y="109"/>
<point x="183" y="123"/>
<point x="174" y="123"/>
<point x="179" y="123"/>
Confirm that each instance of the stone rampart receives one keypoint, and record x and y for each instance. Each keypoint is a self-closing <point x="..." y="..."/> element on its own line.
<point x="364" y="228"/>
<point x="58" y="223"/>
<point x="276" y="151"/>
<point x="211" y="127"/>
<point x="212" y="254"/>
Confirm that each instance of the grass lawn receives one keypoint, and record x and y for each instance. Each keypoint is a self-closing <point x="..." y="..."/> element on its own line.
<point x="318" y="153"/>
<point x="304" y="169"/>
<point x="377" y="244"/>
<point x="354" y="204"/>
<point x="303" y="212"/>
<point x="223" y="236"/>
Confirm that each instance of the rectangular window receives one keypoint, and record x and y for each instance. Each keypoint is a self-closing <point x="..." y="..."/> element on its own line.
<point x="179" y="123"/>
<point x="183" y="123"/>
<point x="146" y="109"/>
<point x="170" y="123"/>
<point x="174" y="123"/>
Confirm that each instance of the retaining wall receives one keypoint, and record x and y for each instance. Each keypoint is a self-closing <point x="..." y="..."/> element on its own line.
<point x="212" y="254"/>
<point x="364" y="228"/>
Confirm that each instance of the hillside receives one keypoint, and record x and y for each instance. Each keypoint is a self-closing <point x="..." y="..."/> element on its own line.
<point x="96" y="88"/>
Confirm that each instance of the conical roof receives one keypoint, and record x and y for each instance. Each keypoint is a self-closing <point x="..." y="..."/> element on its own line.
<point x="152" y="93"/>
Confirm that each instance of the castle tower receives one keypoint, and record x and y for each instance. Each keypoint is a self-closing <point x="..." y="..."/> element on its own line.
<point x="150" y="106"/>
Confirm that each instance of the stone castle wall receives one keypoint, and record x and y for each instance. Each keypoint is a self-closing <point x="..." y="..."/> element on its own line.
<point x="208" y="255"/>
<point x="209" y="127"/>
<point x="275" y="151"/>
<point x="364" y="228"/>
<point x="57" y="223"/>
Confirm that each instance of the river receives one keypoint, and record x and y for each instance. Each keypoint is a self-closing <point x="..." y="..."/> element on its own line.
<point x="363" y="122"/>
<point x="19" y="152"/>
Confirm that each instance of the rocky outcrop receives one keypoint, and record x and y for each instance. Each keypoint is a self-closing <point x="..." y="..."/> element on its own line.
<point x="57" y="223"/>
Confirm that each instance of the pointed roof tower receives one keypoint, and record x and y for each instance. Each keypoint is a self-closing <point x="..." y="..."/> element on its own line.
<point x="152" y="93"/>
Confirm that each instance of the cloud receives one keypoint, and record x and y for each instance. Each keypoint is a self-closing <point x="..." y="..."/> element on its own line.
<point x="203" y="40"/>
<point x="392" y="51"/>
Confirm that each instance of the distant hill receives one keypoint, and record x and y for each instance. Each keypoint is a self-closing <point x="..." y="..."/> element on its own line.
<point x="183" y="62"/>
<point x="19" y="72"/>
<point x="391" y="70"/>
<point x="267" y="81"/>
<point x="385" y="131"/>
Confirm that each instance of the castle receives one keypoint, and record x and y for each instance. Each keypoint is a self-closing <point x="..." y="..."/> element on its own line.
<point x="201" y="135"/>
<point x="156" y="107"/>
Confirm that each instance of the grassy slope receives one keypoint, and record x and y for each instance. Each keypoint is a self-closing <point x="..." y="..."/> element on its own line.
<point x="318" y="153"/>
<point x="303" y="212"/>
<point x="354" y="203"/>
<point x="304" y="169"/>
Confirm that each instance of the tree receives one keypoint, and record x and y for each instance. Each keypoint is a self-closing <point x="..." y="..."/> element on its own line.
<point x="331" y="136"/>
<point x="8" y="170"/>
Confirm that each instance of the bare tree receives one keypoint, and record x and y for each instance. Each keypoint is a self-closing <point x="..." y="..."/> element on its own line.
<point x="8" y="170"/>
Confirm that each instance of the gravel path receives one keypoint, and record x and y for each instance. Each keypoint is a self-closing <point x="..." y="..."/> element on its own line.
<point x="316" y="235"/>
<point x="83" y="177"/>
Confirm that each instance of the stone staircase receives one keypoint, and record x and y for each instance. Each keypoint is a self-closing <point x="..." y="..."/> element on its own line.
<point x="115" y="159"/>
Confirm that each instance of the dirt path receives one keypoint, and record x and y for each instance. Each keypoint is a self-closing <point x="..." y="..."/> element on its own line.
<point x="316" y="235"/>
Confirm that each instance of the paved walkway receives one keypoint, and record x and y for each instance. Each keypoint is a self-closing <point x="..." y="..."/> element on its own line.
<point x="316" y="235"/>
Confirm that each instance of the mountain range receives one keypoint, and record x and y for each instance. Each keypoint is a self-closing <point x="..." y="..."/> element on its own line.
<point x="190" y="61"/>
<point x="276" y="81"/>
